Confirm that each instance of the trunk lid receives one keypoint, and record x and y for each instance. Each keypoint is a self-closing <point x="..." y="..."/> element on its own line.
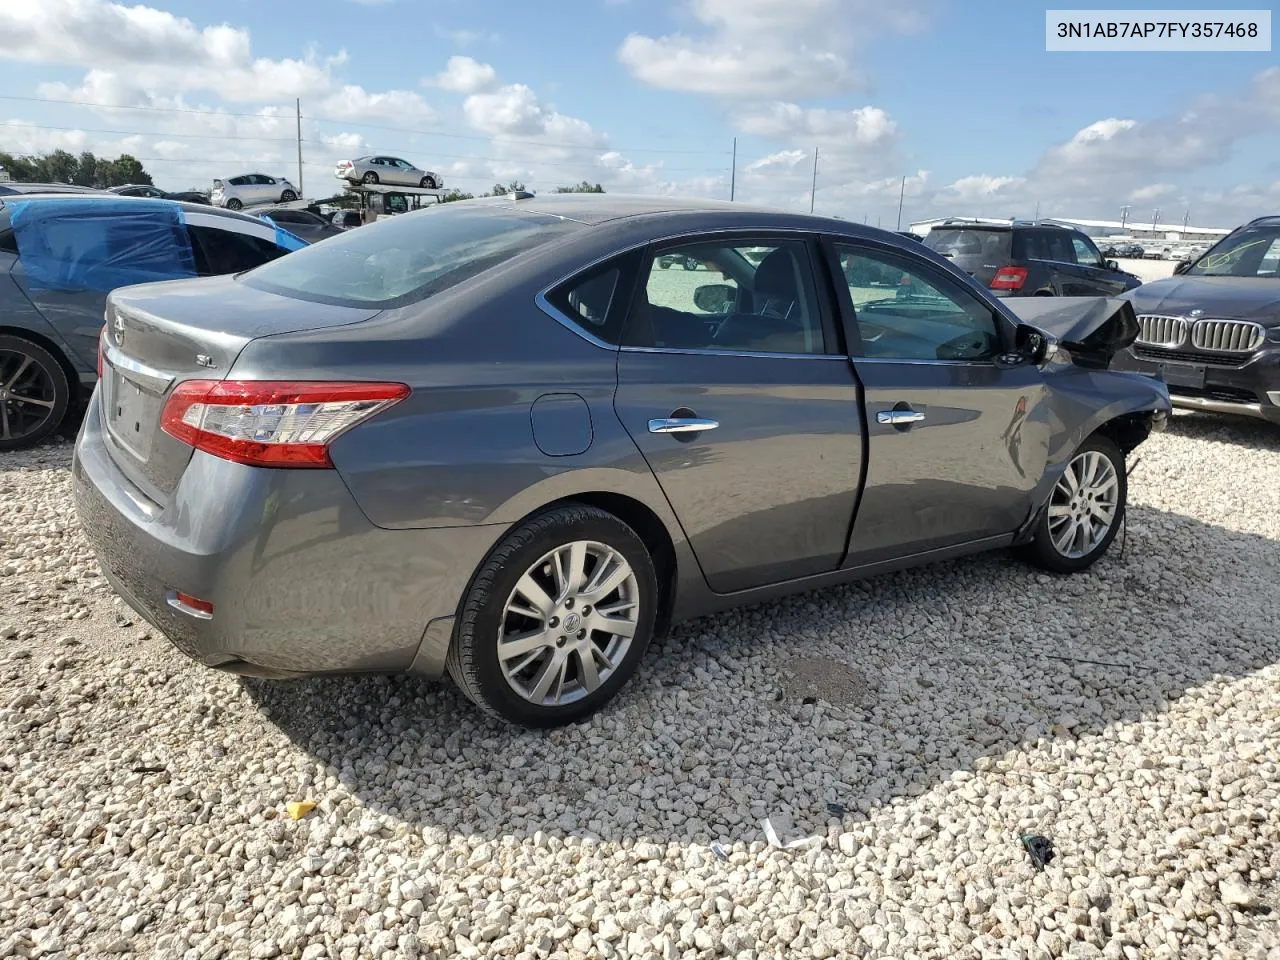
<point x="161" y="334"/>
<point x="978" y="251"/>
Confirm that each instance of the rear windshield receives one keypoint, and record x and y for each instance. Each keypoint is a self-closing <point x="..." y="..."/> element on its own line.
<point x="968" y="242"/>
<point x="408" y="258"/>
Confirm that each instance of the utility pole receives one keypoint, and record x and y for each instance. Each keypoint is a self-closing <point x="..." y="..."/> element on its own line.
<point x="1037" y="210"/>
<point x="1124" y="215"/>
<point x="297" y="104"/>
<point x="1155" y="218"/>
<point x="813" y="189"/>
<point x="1185" y="217"/>
<point x="902" y="192"/>
<point x="733" y="171"/>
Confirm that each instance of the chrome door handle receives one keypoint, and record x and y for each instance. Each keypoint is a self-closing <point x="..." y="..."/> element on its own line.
<point x="681" y="425"/>
<point x="899" y="417"/>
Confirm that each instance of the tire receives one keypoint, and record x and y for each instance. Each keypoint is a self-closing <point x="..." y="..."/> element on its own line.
<point x="690" y="265"/>
<point x="427" y="184"/>
<point x="34" y="393"/>
<point x="234" y="204"/>
<point x="288" y="196"/>
<point x="531" y="553"/>
<point x="1045" y="549"/>
<point x="369" y="177"/>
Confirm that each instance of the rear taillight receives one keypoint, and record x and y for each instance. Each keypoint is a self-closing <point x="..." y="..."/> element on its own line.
<point x="1009" y="278"/>
<point x="272" y="423"/>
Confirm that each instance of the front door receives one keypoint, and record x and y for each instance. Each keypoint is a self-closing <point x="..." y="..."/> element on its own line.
<point x="956" y="439"/>
<point x="1095" y="280"/>
<point x="731" y="383"/>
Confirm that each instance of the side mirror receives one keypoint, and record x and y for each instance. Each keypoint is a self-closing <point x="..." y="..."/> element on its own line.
<point x="1034" y="345"/>
<point x="1182" y="267"/>
<point x="715" y="297"/>
<point x="1113" y="266"/>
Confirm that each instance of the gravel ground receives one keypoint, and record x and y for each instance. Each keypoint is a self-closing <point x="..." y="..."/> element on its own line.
<point x="915" y="725"/>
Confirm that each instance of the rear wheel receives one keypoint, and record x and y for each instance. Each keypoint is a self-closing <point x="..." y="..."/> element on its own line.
<point x="557" y="618"/>
<point x="370" y="177"/>
<point x="288" y="196"/>
<point x="34" y="393"/>
<point x="1085" y="509"/>
<point x="234" y="204"/>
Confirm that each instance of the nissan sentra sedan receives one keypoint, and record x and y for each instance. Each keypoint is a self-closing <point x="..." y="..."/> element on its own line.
<point x="496" y="439"/>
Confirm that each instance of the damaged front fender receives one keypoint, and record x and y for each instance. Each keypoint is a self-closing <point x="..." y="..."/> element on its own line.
<point x="1091" y="329"/>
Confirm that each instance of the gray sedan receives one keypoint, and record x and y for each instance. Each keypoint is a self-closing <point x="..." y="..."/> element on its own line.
<point x="387" y="170"/>
<point x="497" y="439"/>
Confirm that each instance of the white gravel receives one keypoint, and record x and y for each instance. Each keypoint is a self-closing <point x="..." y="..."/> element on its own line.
<point x="142" y="799"/>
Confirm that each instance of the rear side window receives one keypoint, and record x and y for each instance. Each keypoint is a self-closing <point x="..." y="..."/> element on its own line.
<point x="596" y="301"/>
<point x="1047" y="245"/>
<point x="965" y="242"/>
<point x="409" y="258"/>
<point x="225" y="251"/>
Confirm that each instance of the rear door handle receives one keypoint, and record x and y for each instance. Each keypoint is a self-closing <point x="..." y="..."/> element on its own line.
<point x="681" y="425"/>
<point x="899" y="417"/>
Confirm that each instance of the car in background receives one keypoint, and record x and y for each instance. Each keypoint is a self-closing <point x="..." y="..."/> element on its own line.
<point x="305" y="224"/>
<point x="155" y="193"/>
<point x="60" y="255"/>
<point x="1212" y="331"/>
<point x="388" y="170"/>
<point x="346" y="219"/>
<point x="493" y="439"/>
<point x="9" y="188"/>
<point x="667" y="261"/>
<point x="1029" y="259"/>
<point x="235" y="193"/>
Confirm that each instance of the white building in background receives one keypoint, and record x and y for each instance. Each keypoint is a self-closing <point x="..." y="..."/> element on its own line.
<point x="1132" y="229"/>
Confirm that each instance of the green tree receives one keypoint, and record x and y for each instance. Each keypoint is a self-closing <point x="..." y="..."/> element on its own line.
<point x="20" y="169"/>
<point x="122" y="170"/>
<point x="56" y="167"/>
<point x="515" y="186"/>
<point x="583" y="187"/>
<point x="85" y="170"/>
<point x="453" y="195"/>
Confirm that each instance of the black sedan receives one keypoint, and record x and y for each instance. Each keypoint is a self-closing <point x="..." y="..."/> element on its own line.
<point x="303" y="224"/>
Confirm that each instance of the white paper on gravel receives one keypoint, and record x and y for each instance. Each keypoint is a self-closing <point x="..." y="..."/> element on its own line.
<point x="779" y="825"/>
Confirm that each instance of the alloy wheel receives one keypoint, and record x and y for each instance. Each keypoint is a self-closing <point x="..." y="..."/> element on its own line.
<point x="28" y="395"/>
<point x="568" y="623"/>
<point x="1084" y="504"/>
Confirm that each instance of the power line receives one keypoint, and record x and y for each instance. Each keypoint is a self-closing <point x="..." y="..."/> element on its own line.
<point x="125" y="106"/>
<point x="143" y="133"/>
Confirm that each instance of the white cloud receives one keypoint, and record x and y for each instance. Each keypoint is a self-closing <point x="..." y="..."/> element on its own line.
<point x="514" y="110"/>
<point x="465" y="75"/>
<point x="351" y="102"/>
<point x="981" y="186"/>
<point x="863" y="127"/>
<point x="465" y="38"/>
<point x="767" y="48"/>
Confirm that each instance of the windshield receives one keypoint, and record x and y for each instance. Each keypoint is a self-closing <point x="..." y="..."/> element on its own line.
<point x="967" y="242"/>
<point x="1250" y="252"/>
<point x="408" y="258"/>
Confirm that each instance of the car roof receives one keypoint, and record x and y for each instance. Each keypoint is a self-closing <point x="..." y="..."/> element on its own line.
<point x="595" y="208"/>
<point x="12" y="188"/>
<point x="117" y="198"/>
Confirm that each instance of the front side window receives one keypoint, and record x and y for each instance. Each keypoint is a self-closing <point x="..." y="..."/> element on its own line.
<point x="921" y="317"/>
<point x="1085" y="252"/>
<point x="409" y="258"/>
<point x="732" y="295"/>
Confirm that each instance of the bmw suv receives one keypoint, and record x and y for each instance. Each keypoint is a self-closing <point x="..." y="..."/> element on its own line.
<point x="1212" y="331"/>
<point x="1029" y="259"/>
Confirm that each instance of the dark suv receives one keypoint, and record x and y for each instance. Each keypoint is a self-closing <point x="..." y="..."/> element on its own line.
<point x="1212" y="331"/>
<point x="1029" y="259"/>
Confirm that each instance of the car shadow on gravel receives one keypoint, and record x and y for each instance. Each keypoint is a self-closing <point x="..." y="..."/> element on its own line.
<point x="1223" y="428"/>
<point x="825" y="705"/>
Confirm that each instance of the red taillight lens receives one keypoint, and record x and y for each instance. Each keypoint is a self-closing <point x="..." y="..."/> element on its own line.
<point x="272" y="423"/>
<point x="1009" y="278"/>
<point x="194" y="603"/>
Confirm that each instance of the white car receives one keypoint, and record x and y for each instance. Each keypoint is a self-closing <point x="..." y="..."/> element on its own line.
<point x="389" y="170"/>
<point x="250" y="188"/>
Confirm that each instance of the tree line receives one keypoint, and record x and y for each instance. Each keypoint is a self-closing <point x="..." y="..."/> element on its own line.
<point x="515" y="186"/>
<point x="85" y="170"/>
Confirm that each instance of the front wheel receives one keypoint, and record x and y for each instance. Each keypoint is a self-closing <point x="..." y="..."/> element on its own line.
<point x="34" y="393"/>
<point x="1085" y="509"/>
<point x="556" y="619"/>
<point x="288" y="196"/>
<point x="427" y="184"/>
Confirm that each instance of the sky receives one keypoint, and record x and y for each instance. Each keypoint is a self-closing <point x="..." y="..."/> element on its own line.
<point x="647" y="96"/>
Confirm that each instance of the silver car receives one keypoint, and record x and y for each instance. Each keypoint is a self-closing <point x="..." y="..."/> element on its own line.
<point x="498" y="440"/>
<point x="250" y="188"/>
<point x="391" y="170"/>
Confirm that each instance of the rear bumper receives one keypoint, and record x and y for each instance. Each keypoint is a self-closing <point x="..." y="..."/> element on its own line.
<point x="300" y="581"/>
<point x="1249" y="390"/>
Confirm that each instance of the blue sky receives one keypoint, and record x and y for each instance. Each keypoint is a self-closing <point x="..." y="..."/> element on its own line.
<point x="647" y="95"/>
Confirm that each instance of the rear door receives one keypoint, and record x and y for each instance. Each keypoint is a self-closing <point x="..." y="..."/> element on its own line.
<point x="732" y="384"/>
<point x="954" y="445"/>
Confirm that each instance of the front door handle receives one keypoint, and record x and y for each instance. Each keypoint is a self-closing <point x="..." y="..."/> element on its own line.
<point x="681" y="425"/>
<point x="899" y="418"/>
